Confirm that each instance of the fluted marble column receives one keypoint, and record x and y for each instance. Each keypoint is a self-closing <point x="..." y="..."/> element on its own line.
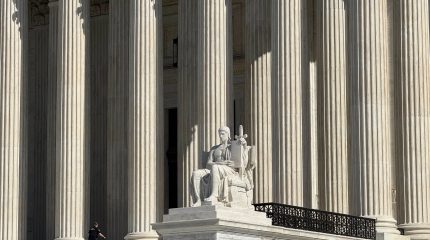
<point x="13" y="36"/>
<point x="36" y="115"/>
<point x="71" y="148"/>
<point x="370" y="125"/>
<point x="414" y="118"/>
<point x="332" y="119"/>
<point x="188" y="151"/>
<point x="117" y="119"/>
<point x="99" y="75"/>
<point x="258" y="105"/>
<point x="143" y="142"/>
<point x="213" y="71"/>
<point x="287" y="54"/>
<point x="51" y="120"/>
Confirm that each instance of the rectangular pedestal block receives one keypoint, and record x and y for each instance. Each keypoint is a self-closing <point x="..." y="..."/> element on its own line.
<point x="224" y="223"/>
<point x="389" y="236"/>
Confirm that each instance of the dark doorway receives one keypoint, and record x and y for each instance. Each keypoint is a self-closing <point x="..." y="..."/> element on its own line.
<point x="172" y="157"/>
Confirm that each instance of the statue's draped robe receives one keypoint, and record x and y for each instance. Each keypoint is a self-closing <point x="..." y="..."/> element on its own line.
<point x="221" y="154"/>
<point x="201" y="180"/>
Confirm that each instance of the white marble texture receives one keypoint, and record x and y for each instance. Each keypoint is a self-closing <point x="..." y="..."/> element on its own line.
<point x="143" y="125"/>
<point x="333" y="105"/>
<point x="223" y="223"/>
<point x="258" y="83"/>
<point x="188" y="137"/>
<point x="287" y="69"/>
<point x="371" y="150"/>
<point x="13" y="73"/>
<point x="213" y="71"/>
<point x="71" y="219"/>
<point x="413" y="88"/>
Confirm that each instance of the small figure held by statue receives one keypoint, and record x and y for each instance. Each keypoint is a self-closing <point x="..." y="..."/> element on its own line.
<point x="227" y="179"/>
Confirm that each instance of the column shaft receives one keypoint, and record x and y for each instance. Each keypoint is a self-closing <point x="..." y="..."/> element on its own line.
<point x="332" y="118"/>
<point x="117" y="119"/>
<point x="72" y="129"/>
<point x="371" y="153"/>
<point x="287" y="70"/>
<point x="258" y="93"/>
<point x="144" y="109"/>
<point x="188" y="152"/>
<point x="214" y="72"/>
<point x="13" y="37"/>
<point x="36" y="115"/>
<point x="51" y="120"/>
<point x="99" y="50"/>
<point x="414" y="118"/>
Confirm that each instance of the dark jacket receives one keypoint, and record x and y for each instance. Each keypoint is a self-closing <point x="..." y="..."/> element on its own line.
<point x="93" y="234"/>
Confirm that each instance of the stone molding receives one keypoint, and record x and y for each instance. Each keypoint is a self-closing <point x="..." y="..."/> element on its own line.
<point x="39" y="11"/>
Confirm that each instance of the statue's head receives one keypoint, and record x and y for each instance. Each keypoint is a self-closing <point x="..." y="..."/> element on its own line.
<point x="224" y="133"/>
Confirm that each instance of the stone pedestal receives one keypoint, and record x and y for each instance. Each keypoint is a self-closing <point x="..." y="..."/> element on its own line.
<point x="224" y="223"/>
<point x="390" y="236"/>
<point x="211" y="222"/>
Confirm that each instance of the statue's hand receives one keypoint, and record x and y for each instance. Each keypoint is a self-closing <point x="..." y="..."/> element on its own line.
<point x="229" y="163"/>
<point x="242" y="141"/>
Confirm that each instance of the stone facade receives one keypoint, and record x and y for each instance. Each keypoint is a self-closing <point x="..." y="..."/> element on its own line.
<point x="335" y="95"/>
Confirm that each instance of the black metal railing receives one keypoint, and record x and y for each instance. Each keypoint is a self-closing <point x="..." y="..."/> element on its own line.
<point x="318" y="221"/>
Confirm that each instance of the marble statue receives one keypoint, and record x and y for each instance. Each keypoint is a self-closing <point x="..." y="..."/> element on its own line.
<point x="227" y="178"/>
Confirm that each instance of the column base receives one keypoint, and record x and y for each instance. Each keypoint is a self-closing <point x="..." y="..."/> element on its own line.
<point x="416" y="231"/>
<point x="386" y="224"/>
<point x="152" y="235"/>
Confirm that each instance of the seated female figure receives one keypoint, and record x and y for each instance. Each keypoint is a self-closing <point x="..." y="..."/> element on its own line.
<point x="211" y="184"/>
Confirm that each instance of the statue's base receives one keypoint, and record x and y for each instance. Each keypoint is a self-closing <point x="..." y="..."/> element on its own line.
<point x="225" y="223"/>
<point x="390" y="236"/>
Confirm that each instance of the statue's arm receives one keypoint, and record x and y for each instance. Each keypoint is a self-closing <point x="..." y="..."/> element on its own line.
<point x="210" y="161"/>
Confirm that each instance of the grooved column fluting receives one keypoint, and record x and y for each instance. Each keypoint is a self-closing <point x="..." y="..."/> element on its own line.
<point x="258" y="105"/>
<point x="414" y="118"/>
<point x="117" y="119"/>
<point x="214" y="75"/>
<point x="332" y="107"/>
<point x="287" y="70"/>
<point x="51" y="120"/>
<point x="36" y="115"/>
<point x="70" y="201"/>
<point x="144" y="80"/>
<point x="13" y="36"/>
<point x="188" y="152"/>
<point x="370" y="122"/>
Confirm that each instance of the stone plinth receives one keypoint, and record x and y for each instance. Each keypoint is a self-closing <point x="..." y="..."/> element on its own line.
<point x="390" y="236"/>
<point x="222" y="223"/>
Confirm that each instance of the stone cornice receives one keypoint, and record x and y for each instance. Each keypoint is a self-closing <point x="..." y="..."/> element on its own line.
<point x="39" y="10"/>
<point x="99" y="7"/>
<point x="38" y="13"/>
